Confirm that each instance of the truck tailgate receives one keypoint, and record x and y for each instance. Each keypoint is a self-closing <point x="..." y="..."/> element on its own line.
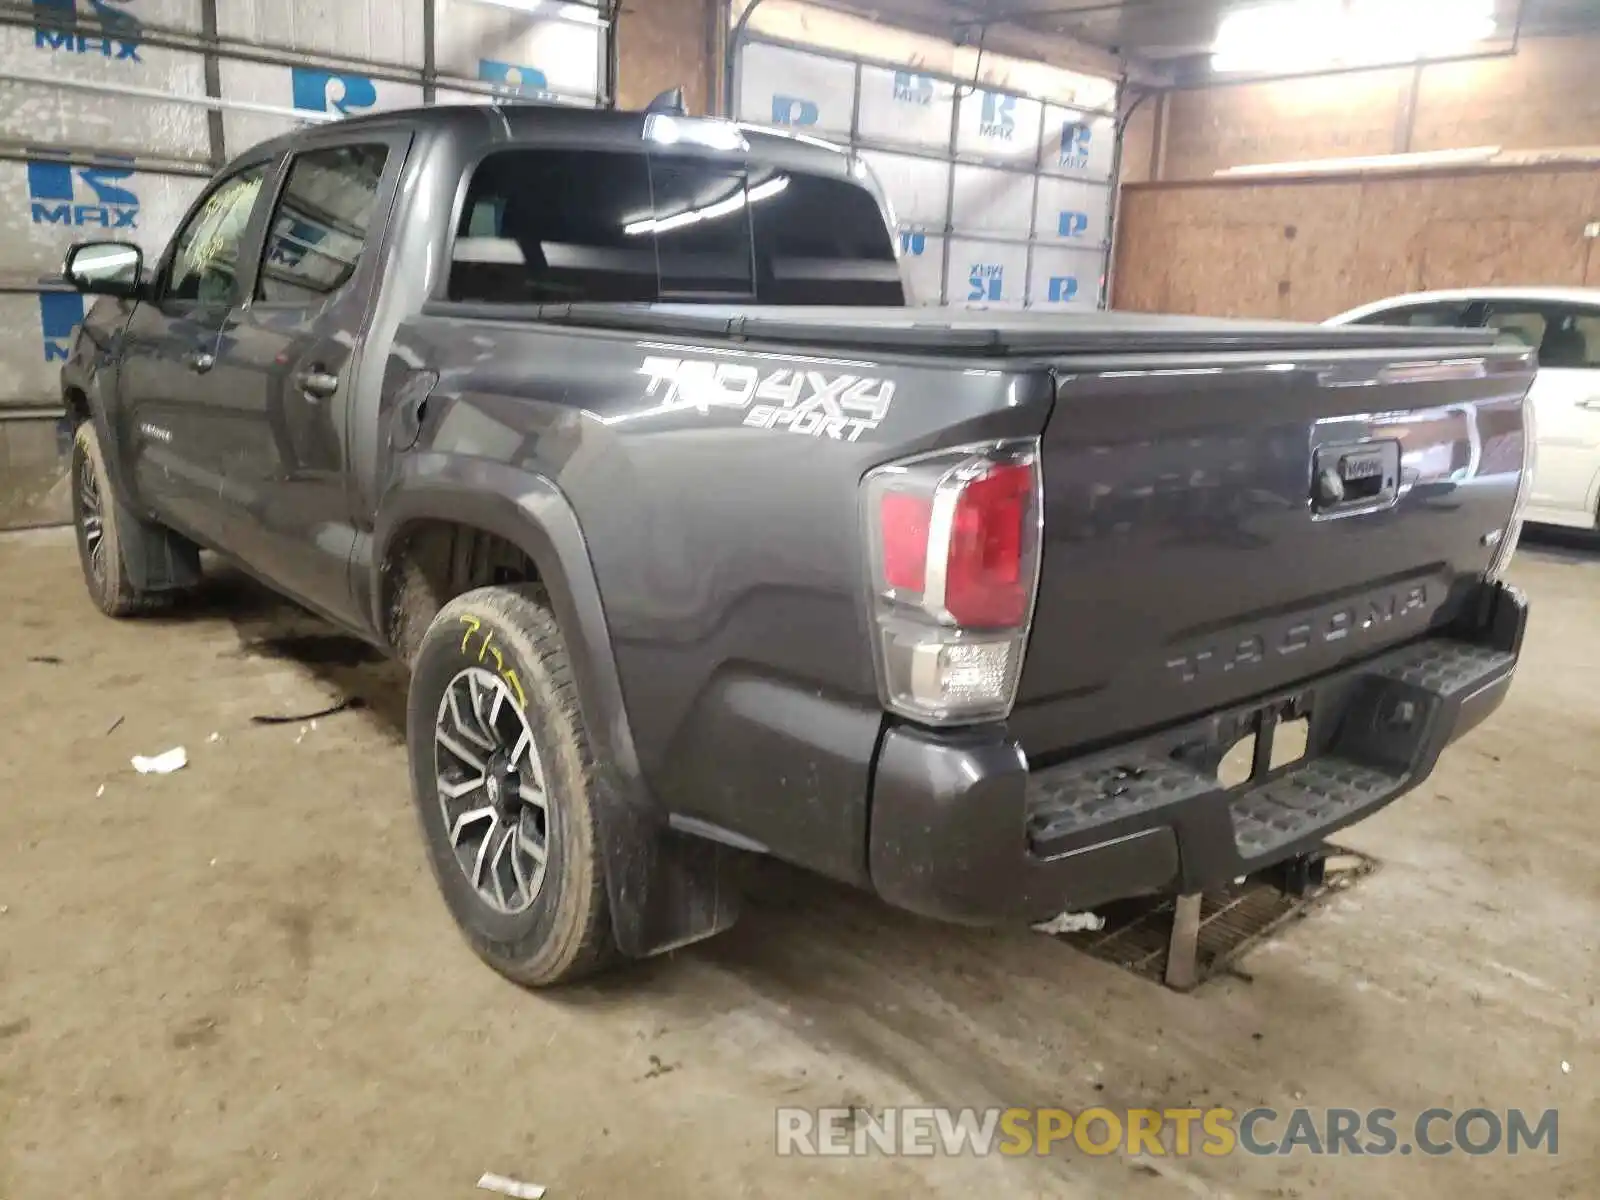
<point x="1220" y="526"/>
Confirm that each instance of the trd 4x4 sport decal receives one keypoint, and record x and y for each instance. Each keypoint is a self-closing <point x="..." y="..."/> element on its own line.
<point x="842" y="407"/>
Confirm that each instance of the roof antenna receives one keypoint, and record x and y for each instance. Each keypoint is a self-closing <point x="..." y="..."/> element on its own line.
<point x="669" y="101"/>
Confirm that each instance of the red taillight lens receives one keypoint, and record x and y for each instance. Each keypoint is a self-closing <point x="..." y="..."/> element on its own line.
<point x="903" y="525"/>
<point x="953" y="538"/>
<point x="984" y="587"/>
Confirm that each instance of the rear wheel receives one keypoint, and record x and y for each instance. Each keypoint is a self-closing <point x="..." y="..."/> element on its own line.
<point x="502" y="775"/>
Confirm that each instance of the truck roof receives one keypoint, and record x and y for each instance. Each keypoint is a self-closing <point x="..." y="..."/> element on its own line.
<point x="592" y="128"/>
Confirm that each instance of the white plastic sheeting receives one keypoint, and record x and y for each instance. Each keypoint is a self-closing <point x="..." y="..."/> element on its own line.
<point x="126" y="177"/>
<point x="1001" y="199"/>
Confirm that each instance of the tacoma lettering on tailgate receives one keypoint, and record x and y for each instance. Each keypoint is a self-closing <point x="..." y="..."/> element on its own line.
<point x="1347" y="621"/>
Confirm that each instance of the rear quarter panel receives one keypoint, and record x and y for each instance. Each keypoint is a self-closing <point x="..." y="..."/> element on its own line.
<point x="717" y="490"/>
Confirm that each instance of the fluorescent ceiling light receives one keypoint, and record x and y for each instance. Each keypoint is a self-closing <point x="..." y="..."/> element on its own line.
<point x="581" y="14"/>
<point x="665" y="130"/>
<point x="1297" y="35"/>
<point x="721" y="208"/>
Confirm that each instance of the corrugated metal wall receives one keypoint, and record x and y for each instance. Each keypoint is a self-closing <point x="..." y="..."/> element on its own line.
<point x="114" y="112"/>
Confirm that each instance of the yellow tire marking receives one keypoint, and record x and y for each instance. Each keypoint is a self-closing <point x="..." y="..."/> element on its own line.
<point x="474" y="624"/>
<point x="511" y="678"/>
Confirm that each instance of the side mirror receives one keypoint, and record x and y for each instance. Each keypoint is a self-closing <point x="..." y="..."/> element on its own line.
<point x="105" y="268"/>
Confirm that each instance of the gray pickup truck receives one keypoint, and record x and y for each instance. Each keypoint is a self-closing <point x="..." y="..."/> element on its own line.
<point x="698" y="542"/>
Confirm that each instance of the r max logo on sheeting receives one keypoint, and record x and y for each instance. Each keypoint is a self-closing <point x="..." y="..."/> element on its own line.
<point x="60" y="314"/>
<point x="107" y="29"/>
<point x="292" y="240"/>
<point x="1063" y="289"/>
<point x="61" y="194"/>
<point x="988" y="282"/>
<point x="1073" y="224"/>
<point x="999" y="118"/>
<point x="330" y="91"/>
<point x="910" y="88"/>
<point x="794" y="110"/>
<point x="1075" y="141"/>
<point x="513" y="79"/>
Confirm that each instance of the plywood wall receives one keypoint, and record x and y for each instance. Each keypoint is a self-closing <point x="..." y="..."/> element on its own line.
<point x="1547" y="94"/>
<point x="665" y="44"/>
<point x="1307" y="249"/>
<point x="1334" y="117"/>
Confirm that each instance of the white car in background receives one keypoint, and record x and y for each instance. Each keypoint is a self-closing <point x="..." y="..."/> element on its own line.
<point x="1563" y="324"/>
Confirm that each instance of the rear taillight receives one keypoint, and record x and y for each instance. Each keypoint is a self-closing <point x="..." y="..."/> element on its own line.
<point x="954" y="540"/>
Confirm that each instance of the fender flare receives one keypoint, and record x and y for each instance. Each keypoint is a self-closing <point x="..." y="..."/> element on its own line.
<point x="79" y="377"/>
<point x="665" y="889"/>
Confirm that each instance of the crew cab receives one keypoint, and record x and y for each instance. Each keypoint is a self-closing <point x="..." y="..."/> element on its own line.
<point x="699" y="543"/>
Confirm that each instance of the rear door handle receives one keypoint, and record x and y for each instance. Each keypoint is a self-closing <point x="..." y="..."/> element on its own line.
<point x="318" y="383"/>
<point x="200" y="361"/>
<point x="1592" y="402"/>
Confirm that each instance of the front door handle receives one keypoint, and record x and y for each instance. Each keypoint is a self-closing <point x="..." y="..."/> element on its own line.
<point x="200" y="361"/>
<point x="1592" y="402"/>
<point x="318" y="383"/>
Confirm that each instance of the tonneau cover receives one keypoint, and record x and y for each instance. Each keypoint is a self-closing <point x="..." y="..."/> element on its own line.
<point x="976" y="333"/>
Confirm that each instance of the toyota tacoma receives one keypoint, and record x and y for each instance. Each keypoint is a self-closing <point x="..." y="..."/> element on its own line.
<point x="617" y="429"/>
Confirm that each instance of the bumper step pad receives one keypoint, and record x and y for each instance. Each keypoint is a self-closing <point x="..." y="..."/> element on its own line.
<point x="1384" y="723"/>
<point x="1448" y="668"/>
<point x="1067" y="804"/>
<point x="1312" y="797"/>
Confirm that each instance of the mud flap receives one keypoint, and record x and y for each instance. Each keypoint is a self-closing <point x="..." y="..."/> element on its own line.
<point x="666" y="888"/>
<point x="156" y="559"/>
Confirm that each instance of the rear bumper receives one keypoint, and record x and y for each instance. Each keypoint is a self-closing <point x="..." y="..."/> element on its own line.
<point x="963" y="830"/>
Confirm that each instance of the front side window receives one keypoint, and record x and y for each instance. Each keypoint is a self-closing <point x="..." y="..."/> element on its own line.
<point x="205" y="262"/>
<point x="321" y="223"/>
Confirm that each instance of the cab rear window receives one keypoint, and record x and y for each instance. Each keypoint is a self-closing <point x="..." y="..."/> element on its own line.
<point x="566" y="226"/>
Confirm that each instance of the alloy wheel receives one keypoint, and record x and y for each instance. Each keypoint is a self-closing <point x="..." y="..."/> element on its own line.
<point x="91" y="517"/>
<point x="492" y="790"/>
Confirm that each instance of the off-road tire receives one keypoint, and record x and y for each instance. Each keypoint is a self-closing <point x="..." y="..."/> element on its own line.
<point x="566" y="932"/>
<point x="110" y="587"/>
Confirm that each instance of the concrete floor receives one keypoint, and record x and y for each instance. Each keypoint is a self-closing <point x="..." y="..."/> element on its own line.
<point x="238" y="980"/>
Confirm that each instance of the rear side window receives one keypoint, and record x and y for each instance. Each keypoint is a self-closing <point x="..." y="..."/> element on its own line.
<point x="1566" y="337"/>
<point x="1422" y="316"/>
<point x="553" y="226"/>
<point x="321" y="223"/>
<point x="556" y="226"/>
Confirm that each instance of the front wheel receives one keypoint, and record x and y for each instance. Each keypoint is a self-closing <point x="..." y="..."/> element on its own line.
<point x="502" y="775"/>
<point x="99" y="523"/>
